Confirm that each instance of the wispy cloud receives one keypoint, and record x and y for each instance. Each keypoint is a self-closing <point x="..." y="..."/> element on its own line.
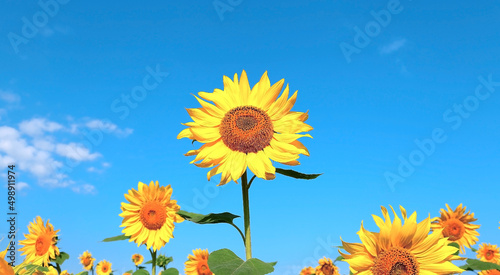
<point x="9" y="97"/>
<point x="49" y="150"/>
<point x="392" y="47"/>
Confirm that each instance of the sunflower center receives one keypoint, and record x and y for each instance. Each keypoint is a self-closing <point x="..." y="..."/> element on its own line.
<point x="86" y="261"/>
<point x="395" y="261"/>
<point x="203" y="269"/>
<point x="153" y="215"/>
<point x="327" y="269"/>
<point x="246" y="129"/>
<point x="454" y="229"/>
<point x="489" y="255"/>
<point x="104" y="269"/>
<point x="42" y="244"/>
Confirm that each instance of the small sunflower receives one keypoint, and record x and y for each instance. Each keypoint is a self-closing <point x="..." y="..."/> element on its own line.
<point x="87" y="261"/>
<point x="103" y="268"/>
<point x="488" y="253"/>
<point x="149" y="217"/>
<point x="489" y="272"/>
<point x="197" y="264"/>
<point x="40" y="244"/>
<point x="307" y="271"/>
<point x="326" y="267"/>
<point x="246" y="128"/>
<point x="457" y="226"/>
<point x="400" y="248"/>
<point x="52" y="271"/>
<point x="137" y="259"/>
<point x="5" y="268"/>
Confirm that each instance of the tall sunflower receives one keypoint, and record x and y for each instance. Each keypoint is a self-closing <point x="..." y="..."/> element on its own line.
<point x="103" y="268"/>
<point x="488" y="253"/>
<point x="246" y="128"/>
<point x="400" y="248"/>
<point x="149" y="217"/>
<point x="326" y="267"/>
<point x="197" y="264"/>
<point x="40" y="244"/>
<point x="457" y="226"/>
<point x="87" y="261"/>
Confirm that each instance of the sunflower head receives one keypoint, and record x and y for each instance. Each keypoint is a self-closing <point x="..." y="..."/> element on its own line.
<point x="457" y="226"/>
<point x="488" y="253"/>
<point x="197" y="264"/>
<point x="86" y="260"/>
<point x="137" y="259"/>
<point x="103" y="268"/>
<point x="246" y="128"/>
<point x="401" y="247"/>
<point x="149" y="216"/>
<point x="307" y="271"/>
<point x="40" y="244"/>
<point x="326" y="267"/>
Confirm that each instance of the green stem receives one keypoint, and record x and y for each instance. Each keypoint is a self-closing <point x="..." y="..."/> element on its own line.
<point x="246" y="213"/>
<point x="153" y="261"/>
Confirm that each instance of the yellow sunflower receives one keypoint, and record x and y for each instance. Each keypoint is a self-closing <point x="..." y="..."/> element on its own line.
<point x="137" y="259"/>
<point x="326" y="267"/>
<point x="103" y="268"/>
<point x="87" y="261"/>
<point x="52" y="271"/>
<point x="197" y="264"/>
<point x="307" y="271"/>
<point x="457" y="226"/>
<point x="40" y="244"/>
<point x="149" y="217"/>
<point x="489" y="272"/>
<point x="246" y="128"/>
<point x="5" y="268"/>
<point x="400" y="248"/>
<point x="488" y="253"/>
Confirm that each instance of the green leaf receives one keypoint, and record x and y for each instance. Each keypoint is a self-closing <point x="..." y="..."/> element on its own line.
<point x="149" y="262"/>
<point x="225" y="217"/>
<point x="117" y="238"/>
<point x="141" y="267"/>
<point x="170" y="271"/>
<point x="473" y="264"/>
<point x="87" y="273"/>
<point x="339" y="258"/>
<point x="129" y="271"/>
<point x="473" y="249"/>
<point x="42" y="268"/>
<point x="455" y="245"/>
<point x="63" y="256"/>
<point x="224" y="261"/>
<point x="141" y="272"/>
<point x="296" y="175"/>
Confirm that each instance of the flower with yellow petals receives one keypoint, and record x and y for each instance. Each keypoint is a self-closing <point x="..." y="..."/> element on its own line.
<point x="103" y="268"/>
<point x="52" y="271"/>
<point x="326" y="267"/>
<point x="86" y="260"/>
<point x="40" y="244"/>
<point x="197" y="264"/>
<point x="488" y="253"/>
<point x="400" y="248"/>
<point x="307" y="271"/>
<point x="149" y="216"/>
<point x="246" y="128"/>
<point x="5" y="268"/>
<point x="457" y="226"/>
<point x="137" y="259"/>
<point x="489" y="272"/>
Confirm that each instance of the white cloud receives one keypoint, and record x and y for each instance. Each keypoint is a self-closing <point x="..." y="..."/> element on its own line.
<point x="392" y="47"/>
<point x="84" y="189"/>
<point x="38" y="126"/>
<point x="9" y="97"/>
<point x="75" y="151"/>
<point x="22" y="185"/>
<point x="108" y="127"/>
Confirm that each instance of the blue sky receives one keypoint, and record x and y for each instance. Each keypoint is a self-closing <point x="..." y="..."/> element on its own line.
<point x="378" y="78"/>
